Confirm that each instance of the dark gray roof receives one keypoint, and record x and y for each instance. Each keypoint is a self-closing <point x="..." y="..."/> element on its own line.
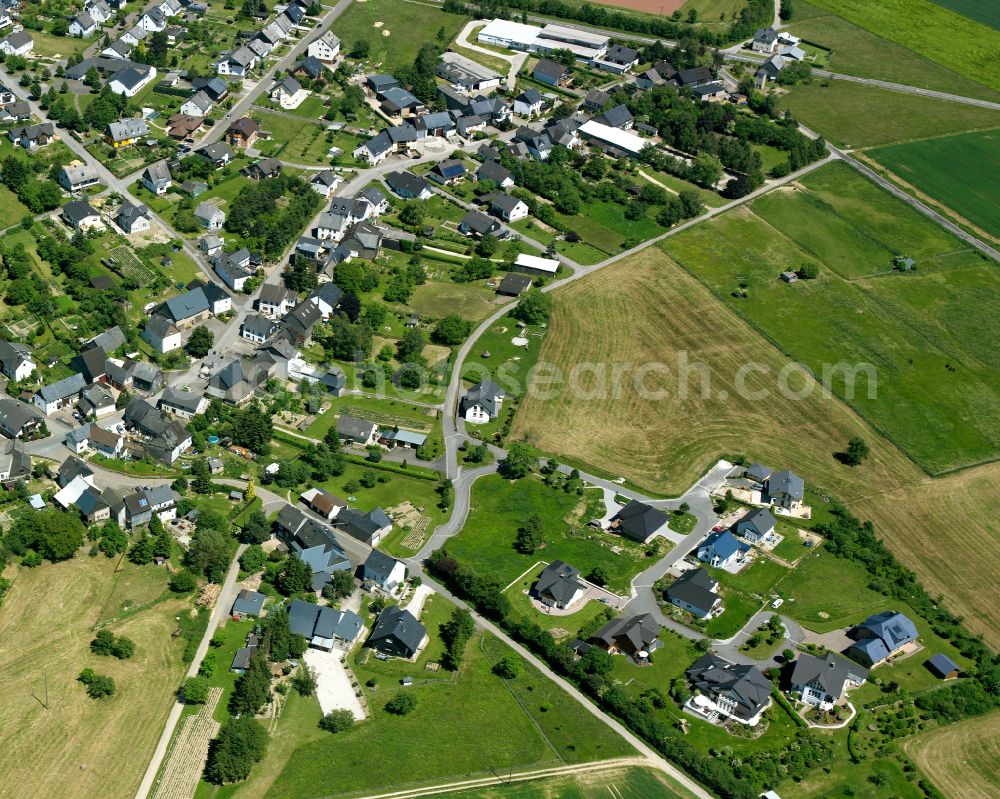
<point x="616" y="117"/>
<point x="829" y="672"/>
<point x="379" y="566"/>
<point x="248" y="602"/>
<point x="787" y="483"/>
<point x="549" y="68"/>
<point x="352" y="427"/>
<point x="514" y="283"/>
<point x="639" y="631"/>
<point x="619" y="54"/>
<point x="67" y="387"/>
<point x="694" y="76"/>
<point x="400" y="626"/>
<point x="638" y="520"/>
<point x="558" y="580"/>
<point x="745" y="685"/>
<point x="406" y="183"/>
<point x="694" y="587"/>
<point x="892" y="627"/>
<point x="78" y="210"/>
<point x="759" y="520"/>
<point x="483" y="393"/>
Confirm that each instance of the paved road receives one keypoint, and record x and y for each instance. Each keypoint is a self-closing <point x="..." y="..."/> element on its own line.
<point x="516" y="60"/>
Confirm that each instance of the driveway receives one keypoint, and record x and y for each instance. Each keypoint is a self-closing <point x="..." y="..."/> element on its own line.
<point x="333" y="682"/>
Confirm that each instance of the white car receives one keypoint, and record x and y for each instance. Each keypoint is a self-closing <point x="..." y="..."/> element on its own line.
<point x="777" y="603"/>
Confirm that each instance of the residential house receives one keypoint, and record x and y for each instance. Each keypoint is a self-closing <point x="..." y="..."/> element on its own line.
<point x="156" y="178"/>
<point x="81" y="216"/>
<point x="312" y="543"/>
<point x="309" y="67"/>
<point x="243" y="132"/>
<point x="639" y="521"/>
<point x="397" y="101"/>
<point x="710" y="92"/>
<point x="528" y="103"/>
<point x="482" y="402"/>
<point x="91" y="363"/>
<point x="77" y="440"/>
<point x="153" y="21"/>
<point x="211" y="244"/>
<point x="755" y="526"/>
<point x="326" y="297"/>
<point x="477" y="224"/>
<point x="237" y="63"/>
<point x="70" y="469"/>
<point x="17" y="420"/>
<point x="369" y="528"/>
<point x="131" y="80"/>
<point x="276" y="300"/>
<point x="18" y="43"/>
<point x="234" y="384"/>
<point x="727" y="690"/>
<point x="16" y="362"/>
<point x="722" y="550"/>
<point x="161" y="334"/>
<point x="326" y="48"/>
<point x="15" y="463"/>
<point x="210" y="216"/>
<point x="325" y="182"/>
<point x="765" y="40"/>
<point x="379" y="84"/>
<point x="96" y="401"/>
<point x="696" y="592"/>
<point x="132" y="218"/>
<point x="466" y="73"/>
<point x="184" y="404"/>
<point x="558" y="585"/>
<point x="257" y="328"/>
<point x="324" y="627"/>
<point x="513" y="285"/>
<point x="105" y="441"/>
<point x="78" y="177"/>
<point x="786" y="490"/>
<point x="110" y="340"/>
<point x="634" y="636"/>
<point x="126" y="132"/>
<point x="397" y="633"/>
<point x="322" y="502"/>
<point x="360" y="432"/>
<point x="263" y="169"/>
<point x="376" y="149"/>
<point x="881" y="636"/>
<point x="198" y="104"/>
<point x="285" y="92"/>
<point x="52" y="397"/>
<point x="182" y="126"/>
<point x="384" y="571"/>
<point x="83" y="25"/>
<point x="248" y="604"/>
<point x="551" y="73"/>
<point x="596" y="100"/>
<point x="695" y="76"/>
<point x="823" y="681"/>
<point x="492" y="170"/>
<point x="618" y="117"/>
<point x="408" y="186"/>
<point x="220" y="154"/>
<point x="144" y="376"/>
<point x="165" y="438"/>
<point x="508" y="208"/>
<point x="440" y="124"/>
<point x="31" y="137"/>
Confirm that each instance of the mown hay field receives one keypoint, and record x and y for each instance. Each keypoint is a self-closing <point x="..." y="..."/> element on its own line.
<point x="961" y="757"/>
<point x="81" y="746"/>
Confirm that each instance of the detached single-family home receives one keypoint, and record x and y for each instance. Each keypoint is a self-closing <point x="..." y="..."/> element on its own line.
<point x="17" y="419"/>
<point x="326" y="48"/>
<point x="131" y="80"/>
<point x="161" y="334"/>
<point x="728" y="690"/>
<point x="356" y="431"/>
<point x="156" y="178"/>
<point x="236" y="63"/>
<point x="786" y="490"/>
<point x="491" y="170"/>
<point x="243" y="132"/>
<point x="755" y="526"/>
<point x="132" y="218"/>
<point x="558" y="585"/>
<point x="83" y="25"/>
<point x="617" y="117"/>
<point x="634" y="636"/>
<point x="619" y="59"/>
<point x="508" y="207"/>
<point x="369" y="528"/>
<point x="596" y="100"/>
<point x="397" y="633"/>
<point x="551" y="73"/>
<point x="31" y="137"/>
<point x="16" y="362"/>
<point x="514" y="285"/>
<point x="482" y="402"/>
<point x="58" y="395"/>
<point x="710" y="92"/>
<point x="477" y="224"/>
<point x="79" y="215"/>
<point x="219" y="153"/>
<point x="881" y="636"/>
<point x="198" y="104"/>
<point x="325" y="182"/>
<point x="77" y="177"/>
<point x="823" y="681"/>
<point x="18" y="43"/>
<point x="639" y="521"/>
<point x="276" y="300"/>
<point x="211" y="216"/>
<point x="285" y="92"/>
<point x="696" y="592"/>
<point x="96" y="401"/>
<point x="126" y="132"/>
<point x="247" y="604"/>
<point x="528" y="103"/>
<point x="765" y="40"/>
<point x="721" y="550"/>
<point x="324" y="627"/>
<point x="382" y="570"/>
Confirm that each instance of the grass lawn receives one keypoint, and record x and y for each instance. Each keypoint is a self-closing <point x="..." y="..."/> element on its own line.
<point x="511" y="730"/>
<point x="856" y="115"/>
<point x="12" y="211"/>
<point x="758" y="578"/>
<point x="499" y="507"/>
<point x="740" y="608"/>
<point x="48" y="45"/>
<point x="495" y="355"/>
<point x="603" y="225"/>
<point x="770" y="157"/>
<point x="51" y="638"/>
<point x="955" y="42"/>
<point x="920" y="385"/>
<point x="823" y="593"/>
<point x="437" y="298"/>
<point x="953" y="170"/>
<point x="682" y="523"/>
<point x="404" y="30"/>
<point x="856" y="51"/>
<point x="633" y="782"/>
<point x="572" y="623"/>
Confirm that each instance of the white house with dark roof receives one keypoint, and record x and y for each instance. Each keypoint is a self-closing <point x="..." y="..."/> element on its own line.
<point x="755" y="526"/>
<point x="132" y="218"/>
<point x="383" y="570"/>
<point x="161" y="334"/>
<point x="83" y="25"/>
<point x="210" y="216"/>
<point x="81" y="215"/>
<point x="16" y="362"/>
<point x="558" y="585"/>
<point x="823" y="681"/>
<point x="697" y="592"/>
<point x="18" y="43"/>
<point x="482" y="402"/>
<point x="131" y="80"/>
<point x="326" y="48"/>
<point x="184" y="404"/>
<point x="639" y="521"/>
<point x="52" y="397"/>
<point x="198" y="104"/>
<point x="78" y="177"/>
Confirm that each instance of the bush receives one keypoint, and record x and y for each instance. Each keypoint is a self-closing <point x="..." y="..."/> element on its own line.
<point x="182" y="582"/>
<point x="98" y="685"/>
<point x="401" y="704"/>
<point x="508" y="667"/>
<point x="337" y="721"/>
<point x="195" y="690"/>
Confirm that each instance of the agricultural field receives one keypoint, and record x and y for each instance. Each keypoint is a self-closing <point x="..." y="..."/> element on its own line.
<point x="500" y="507"/>
<point x="81" y="740"/>
<point x="954" y="170"/>
<point x="962" y="757"/>
<point x="855" y="115"/>
<point x="632" y="783"/>
<point x="511" y="729"/>
<point x="395" y="30"/>
<point x="618" y="315"/>
<point x="914" y="381"/>
<point x="983" y="11"/>
<point x="944" y="37"/>
<point x="856" y="51"/>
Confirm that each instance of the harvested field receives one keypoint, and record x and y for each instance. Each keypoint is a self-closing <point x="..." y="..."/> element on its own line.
<point x="961" y="759"/>
<point x="660" y="7"/>
<point x="98" y="747"/>
<point x="187" y="756"/>
<point x="647" y="310"/>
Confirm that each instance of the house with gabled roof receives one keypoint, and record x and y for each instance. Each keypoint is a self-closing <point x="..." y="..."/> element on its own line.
<point x="50" y="398"/>
<point x="722" y="550"/>
<point x="161" y="334"/>
<point x="184" y="404"/>
<point x="727" y="691"/>
<point x="324" y="626"/>
<point x="633" y="636"/>
<point x="639" y="521"/>
<point x="383" y="570"/>
<point x="397" y="633"/>
<point x="482" y="402"/>
<point x="17" y="419"/>
<point x="755" y="525"/>
<point x="247" y="604"/>
<point x="823" y="681"/>
<point x="881" y="636"/>
<point x="16" y="361"/>
<point x="18" y="43"/>
<point x="369" y="528"/>
<point x="786" y="490"/>
<point x="559" y="585"/>
<point x="132" y="218"/>
<point x="697" y="592"/>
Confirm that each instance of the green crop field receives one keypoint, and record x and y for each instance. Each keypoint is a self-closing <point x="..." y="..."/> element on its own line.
<point x="934" y="392"/>
<point x="947" y="38"/>
<point x="856" y="115"/>
<point x="634" y="783"/>
<point x="856" y="51"/>
<point x="985" y="11"/>
<point x="958" y="171"/>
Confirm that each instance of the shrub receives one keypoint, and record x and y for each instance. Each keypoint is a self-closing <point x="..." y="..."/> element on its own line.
<point x="195" y="690"/>
<point x="401" y="704"/>
<point x="337" y="721"/>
